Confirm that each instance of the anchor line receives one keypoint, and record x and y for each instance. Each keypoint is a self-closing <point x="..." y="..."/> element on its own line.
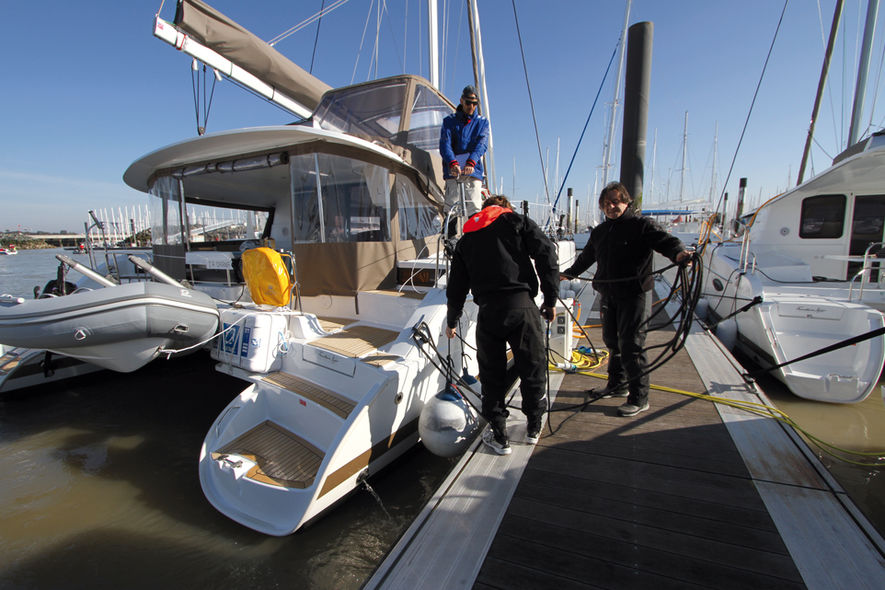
<point x="824" y="350"/>
<point x="753" y="302"/>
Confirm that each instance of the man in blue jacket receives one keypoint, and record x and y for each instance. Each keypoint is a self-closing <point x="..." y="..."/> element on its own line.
<point x="463" y="140"/>
<point x="493" y="259"/>
<point x="622" y="248"/>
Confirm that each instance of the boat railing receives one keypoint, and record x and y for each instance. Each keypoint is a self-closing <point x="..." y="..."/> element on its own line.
<point x="746" y="255"/>
<point x="865" y="274"/>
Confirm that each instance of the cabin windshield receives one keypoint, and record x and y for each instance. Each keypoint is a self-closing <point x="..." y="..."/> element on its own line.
<point x="377" y="111"/>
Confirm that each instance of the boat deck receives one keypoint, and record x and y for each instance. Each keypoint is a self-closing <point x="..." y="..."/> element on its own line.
<point x="687" y="494"/>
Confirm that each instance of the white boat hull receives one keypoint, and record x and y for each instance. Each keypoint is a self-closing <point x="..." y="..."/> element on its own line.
<point x="299" y="439"/>
<point x="121" y="328"/>
<point x="797" y="318"/>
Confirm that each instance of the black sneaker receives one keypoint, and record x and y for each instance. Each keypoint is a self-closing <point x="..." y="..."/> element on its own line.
<point x="533" y="429"/>
<point x="496" y="442"/>
<point x="616" y="393"/>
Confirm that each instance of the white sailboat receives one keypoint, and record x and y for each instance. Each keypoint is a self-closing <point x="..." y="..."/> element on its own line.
<point x="339" y="374"/>
<point x="810" y="255"/>
<point x="803" y="275"/>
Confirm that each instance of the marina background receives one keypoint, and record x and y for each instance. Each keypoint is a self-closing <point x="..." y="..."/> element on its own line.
<point x="95" y="90"/>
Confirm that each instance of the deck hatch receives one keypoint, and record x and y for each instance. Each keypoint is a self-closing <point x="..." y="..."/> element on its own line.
<point x="356" y="341"/>
<point x="320" y="395"/>
<point x="282" y="458"/>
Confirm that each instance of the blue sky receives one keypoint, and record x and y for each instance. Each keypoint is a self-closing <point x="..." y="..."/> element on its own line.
<point x="88" y="89"/>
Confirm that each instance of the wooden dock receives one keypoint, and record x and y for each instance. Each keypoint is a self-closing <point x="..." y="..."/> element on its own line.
<point x="689" y="494"/>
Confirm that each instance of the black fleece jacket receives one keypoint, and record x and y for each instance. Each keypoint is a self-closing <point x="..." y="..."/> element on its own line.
<point x="493" y="259"/>
<point x="622" y="250"/>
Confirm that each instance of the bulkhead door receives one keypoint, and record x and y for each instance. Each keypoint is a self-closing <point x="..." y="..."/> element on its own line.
<point x="866" y="228"/>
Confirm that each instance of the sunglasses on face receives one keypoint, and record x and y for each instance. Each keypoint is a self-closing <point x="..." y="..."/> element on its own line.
<point x="470" y="101"/>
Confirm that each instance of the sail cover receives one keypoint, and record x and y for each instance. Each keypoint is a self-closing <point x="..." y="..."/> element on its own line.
<point x="216" y="31"/>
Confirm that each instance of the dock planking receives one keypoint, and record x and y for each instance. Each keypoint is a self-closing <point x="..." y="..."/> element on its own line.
<point x="661" y="499"/>
<point x="689" y="494"/>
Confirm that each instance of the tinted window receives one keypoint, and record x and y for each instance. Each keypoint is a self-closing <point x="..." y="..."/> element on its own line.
<point x="822" y="217"/>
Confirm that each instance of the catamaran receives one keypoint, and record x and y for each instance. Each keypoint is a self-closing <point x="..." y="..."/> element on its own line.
<point x="329" y="308"/>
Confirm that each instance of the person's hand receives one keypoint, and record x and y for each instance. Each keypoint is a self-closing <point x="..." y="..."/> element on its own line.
<point x="450" y="333"/>
<point x="455" y="170"/>
<point x="548" y="313"/>
<point x="684" y="257"/>
<point x="563" y="277"/>
<point x="468" y="170"/>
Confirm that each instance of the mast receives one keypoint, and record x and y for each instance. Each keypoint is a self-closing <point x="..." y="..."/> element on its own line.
<point x="837" y="15"/>
<point x="862" y="69"/>
<point x="433" y="41"/>
<point x="715" y="157"/>
<point x="606" y="153"/>
<point x="476" y="32"/>
<point x="684" y="153"/>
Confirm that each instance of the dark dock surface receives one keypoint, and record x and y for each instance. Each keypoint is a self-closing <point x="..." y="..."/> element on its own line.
<point x="662" y="499"/>
<point x="689" y="494"/>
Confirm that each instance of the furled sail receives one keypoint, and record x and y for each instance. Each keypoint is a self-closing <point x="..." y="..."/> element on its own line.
<point x="227" y="38"/>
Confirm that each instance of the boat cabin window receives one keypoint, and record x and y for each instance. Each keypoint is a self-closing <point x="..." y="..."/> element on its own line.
<point x="350" y="203"/>
<point x="428" y="112"/>
<point x="197" y="224"/>
<point x="823" y="216"/>
<point x="417" y="218"/>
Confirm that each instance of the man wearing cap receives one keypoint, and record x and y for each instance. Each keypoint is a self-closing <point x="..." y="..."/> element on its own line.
<point x="463" y="141"/>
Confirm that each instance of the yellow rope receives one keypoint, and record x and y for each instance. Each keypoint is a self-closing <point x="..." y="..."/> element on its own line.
<point x="584" y="363"/>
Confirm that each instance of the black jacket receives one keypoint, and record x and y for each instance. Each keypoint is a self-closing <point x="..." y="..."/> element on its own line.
<point x="493" y="259"/>
<point x="622" y="250"/>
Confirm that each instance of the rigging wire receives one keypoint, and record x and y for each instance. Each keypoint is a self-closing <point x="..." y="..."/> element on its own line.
<point x="587" y="122"/>
<point x="362" y="41"/>
<point x="531" y="101"/>
<point x="749" y="113"/>
<point x="304" y="23"/>
<point x="316" y="39"/>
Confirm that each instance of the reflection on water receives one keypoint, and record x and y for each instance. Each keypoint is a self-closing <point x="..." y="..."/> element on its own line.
<point x="101" y="490"/>
<point x="857" y="427"/>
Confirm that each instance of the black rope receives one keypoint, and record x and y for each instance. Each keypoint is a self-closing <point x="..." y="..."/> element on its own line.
<point x="753" y="302"/>
<point x="824" y="350"/>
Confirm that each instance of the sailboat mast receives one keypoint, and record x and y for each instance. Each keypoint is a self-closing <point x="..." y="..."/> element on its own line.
<point x="837" y="16"/>
<point x="433" y="42"/>
<point x="480" y="74"/>
<point x="715" y="157"/>
<point x="607" y="151"/>
<point x="684" y="153"/>
<point x="862" y="69"/>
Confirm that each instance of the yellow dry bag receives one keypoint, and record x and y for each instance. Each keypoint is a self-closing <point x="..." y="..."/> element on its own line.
<point x="267" y="276"/>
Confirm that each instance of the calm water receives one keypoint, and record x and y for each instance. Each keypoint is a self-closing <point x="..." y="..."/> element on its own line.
<point x="19" y="274"/>
<point x="100" y="490"/>
<point x="100" y="486"/>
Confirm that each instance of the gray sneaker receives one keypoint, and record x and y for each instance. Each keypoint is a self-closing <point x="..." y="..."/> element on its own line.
<point x="629" y="409"/>
<point x="498" y="444"/>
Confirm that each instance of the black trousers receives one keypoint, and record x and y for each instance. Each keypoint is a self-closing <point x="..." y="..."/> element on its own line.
<point x="623" y="332"/>
<point x="513" y="320"/>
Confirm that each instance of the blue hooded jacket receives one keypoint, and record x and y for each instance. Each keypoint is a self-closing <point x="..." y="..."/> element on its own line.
<point x="464" y="140"/>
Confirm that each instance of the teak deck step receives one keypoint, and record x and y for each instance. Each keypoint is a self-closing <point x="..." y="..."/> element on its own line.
<point x="356" y="341"/>
<point x="320" y="395"/>
<point x="282" y="458"/>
